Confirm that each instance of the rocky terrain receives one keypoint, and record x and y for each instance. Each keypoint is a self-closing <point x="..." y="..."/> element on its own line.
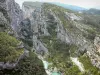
<point x="69" y="40"/>
<point x="59" y="34"/>
<point x="15" y="59"/>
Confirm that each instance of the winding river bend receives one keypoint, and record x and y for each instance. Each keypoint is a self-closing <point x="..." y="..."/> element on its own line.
<point x="48" y="70"/>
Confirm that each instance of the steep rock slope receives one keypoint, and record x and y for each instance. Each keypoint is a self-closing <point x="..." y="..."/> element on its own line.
<point x="15" y="14"/>
<point x="10" y="48"/>
<point x="59" y="34"/>
<point x="14" y="57"/>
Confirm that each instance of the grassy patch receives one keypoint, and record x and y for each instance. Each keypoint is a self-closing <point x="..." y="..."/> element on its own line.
<point x="90" y="69"/>
<point x="8" y="48"/>
<point x="60" y="55"/>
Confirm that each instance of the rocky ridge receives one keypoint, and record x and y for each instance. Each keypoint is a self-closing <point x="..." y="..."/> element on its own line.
<point x="13" y="44"/>
<point x="6" y="26"/>
<point x="53" y="33"/>
<point x="53" y="25"/>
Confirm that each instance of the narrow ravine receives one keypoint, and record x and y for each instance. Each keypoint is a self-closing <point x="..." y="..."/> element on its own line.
<point x="48" y="70"/>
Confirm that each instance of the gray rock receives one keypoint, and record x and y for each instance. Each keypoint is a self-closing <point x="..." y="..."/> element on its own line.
<point x="15" y="14"/>
<point x="10" y="17"/>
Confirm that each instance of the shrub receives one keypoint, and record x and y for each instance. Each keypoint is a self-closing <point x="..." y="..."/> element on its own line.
<point x="8" y="48"/>
<point x="28" y="66"/>
<point x="90" y="69"/>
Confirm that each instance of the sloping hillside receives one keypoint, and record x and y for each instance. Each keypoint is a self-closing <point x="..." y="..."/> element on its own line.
<point x="59" y="34"/>
<point x="64" y="41"/>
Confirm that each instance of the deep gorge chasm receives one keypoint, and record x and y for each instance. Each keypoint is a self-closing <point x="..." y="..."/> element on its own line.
<point x="46" y="39"/>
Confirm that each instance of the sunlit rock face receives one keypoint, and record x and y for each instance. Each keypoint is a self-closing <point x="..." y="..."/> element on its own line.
<point x="15" y="14"/>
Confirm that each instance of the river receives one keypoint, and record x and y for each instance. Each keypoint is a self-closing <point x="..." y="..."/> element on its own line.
<point x="48" y="70"/>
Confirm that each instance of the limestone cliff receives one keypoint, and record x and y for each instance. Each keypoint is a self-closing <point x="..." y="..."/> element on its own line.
<point x="52" y="33"/>
<point x="15" y="59"/>
<point x="8" y="59"/>
<point x="62" y="33"/>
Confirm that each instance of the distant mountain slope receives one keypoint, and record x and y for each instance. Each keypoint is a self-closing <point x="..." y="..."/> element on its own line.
<point x="29" y="3"/>
<point x="72" y="7"/>
<point x="93" y="11"/>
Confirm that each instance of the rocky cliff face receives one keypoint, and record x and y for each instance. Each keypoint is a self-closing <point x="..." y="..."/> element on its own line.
<point x="12" y="13"/>
<point x="54" y="33"/>
<point x="8" y="42"/>
<point x="14" y="52"/>
<point x="61" y="33"/>
<point x="15" y="14"/>
<point x="4" y="18"/>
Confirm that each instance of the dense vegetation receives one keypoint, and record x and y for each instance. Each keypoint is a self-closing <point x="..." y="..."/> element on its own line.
<point x="8" y="48"/>
<point x="59" y="12"/>
<point x="90" y="69"/>
<point x="92" y="20"/>
<point x="28" y="66"/>
<point x="60" y="52"/>
<point x="60" y="55"/>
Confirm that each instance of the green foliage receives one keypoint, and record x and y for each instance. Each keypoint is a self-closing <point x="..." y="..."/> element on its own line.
<point x="8" y="48"/>
<point x="28" y="66"/>
<point x="92" y="20"/>
<point x="60" y="53"/>
<point x="48" y="6"/>
<point x="73" y="71"/>
<point x="90" y="69"/>
<point x="91" y="33"/>
<point x="60" y="13"/>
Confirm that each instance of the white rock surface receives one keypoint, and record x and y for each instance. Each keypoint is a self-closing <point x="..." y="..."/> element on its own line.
<point x="79" y="64"/>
